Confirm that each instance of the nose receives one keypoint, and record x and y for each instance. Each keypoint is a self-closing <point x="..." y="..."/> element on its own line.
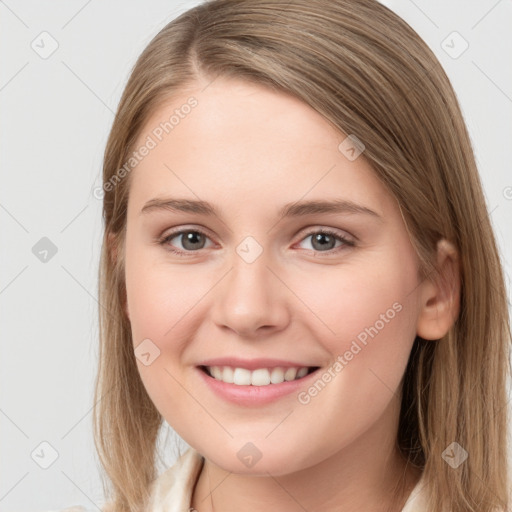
<point x="251" y="300"/>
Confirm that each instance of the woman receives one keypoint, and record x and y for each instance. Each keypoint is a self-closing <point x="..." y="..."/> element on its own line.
<point x="298" y="272"/>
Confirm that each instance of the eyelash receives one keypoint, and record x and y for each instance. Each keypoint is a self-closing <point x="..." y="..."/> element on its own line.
<point x="324" y="231"/>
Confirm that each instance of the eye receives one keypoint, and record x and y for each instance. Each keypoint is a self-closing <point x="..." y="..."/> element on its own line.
<point x="324" y="240"/>
<point x="191" y="240"/>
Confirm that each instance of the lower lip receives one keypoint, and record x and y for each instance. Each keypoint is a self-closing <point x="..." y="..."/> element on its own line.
<point x="254" y="395"/>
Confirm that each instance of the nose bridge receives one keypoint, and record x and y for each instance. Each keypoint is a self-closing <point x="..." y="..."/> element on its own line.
<point x="249" y="297"/>
<point x="249" y="274"/>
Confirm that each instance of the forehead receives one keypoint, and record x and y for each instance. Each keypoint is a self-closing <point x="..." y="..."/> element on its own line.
<point x="244" y="143"/>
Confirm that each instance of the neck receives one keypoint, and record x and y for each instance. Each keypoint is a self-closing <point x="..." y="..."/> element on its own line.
<point x="368" y="474"/>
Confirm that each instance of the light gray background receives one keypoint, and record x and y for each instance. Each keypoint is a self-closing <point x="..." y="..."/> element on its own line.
<point x="55" y="116"/>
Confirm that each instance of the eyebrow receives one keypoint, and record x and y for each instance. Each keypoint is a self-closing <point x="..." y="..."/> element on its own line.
<point x="296" y="209"/>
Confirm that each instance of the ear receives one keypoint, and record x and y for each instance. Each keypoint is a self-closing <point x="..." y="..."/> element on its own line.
<point x="112" y="244"/>
<point x="440" y="296"/>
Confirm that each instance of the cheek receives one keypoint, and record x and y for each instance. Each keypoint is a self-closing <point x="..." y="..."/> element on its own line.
<point x="159" y="296"/>
<point x="351" y="296"/>
<point x="166" y="306"/>
<point x="161" y="302"/>
<point x="368" y="326"/>
<point x="365" y="312"/>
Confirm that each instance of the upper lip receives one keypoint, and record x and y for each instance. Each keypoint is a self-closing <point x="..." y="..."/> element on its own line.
<point x="253" y="364"/>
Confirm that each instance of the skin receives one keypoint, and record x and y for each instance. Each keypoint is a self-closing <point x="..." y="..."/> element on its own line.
<point x="249" y="150"/>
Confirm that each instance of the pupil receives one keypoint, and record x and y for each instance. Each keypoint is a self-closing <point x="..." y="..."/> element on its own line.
<point x="191" y="238"/>
<point x="320" y="238"/>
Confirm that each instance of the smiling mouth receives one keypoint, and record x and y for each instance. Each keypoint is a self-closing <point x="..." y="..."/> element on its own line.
<point x="258" y="377"/>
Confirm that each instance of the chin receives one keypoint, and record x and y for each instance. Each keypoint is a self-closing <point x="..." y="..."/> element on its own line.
<point x="259" y="459"/>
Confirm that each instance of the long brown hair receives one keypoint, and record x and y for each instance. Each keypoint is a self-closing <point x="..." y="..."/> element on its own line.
<point x="369" y="74"/>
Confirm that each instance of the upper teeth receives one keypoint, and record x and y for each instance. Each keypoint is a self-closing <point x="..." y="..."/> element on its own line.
<point x="259" y="377"/>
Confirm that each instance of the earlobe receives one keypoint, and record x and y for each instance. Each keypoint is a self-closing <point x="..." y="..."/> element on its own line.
<point x="440" y="296"/>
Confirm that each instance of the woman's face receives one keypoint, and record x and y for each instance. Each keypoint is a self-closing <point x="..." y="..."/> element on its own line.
<point x="253" y="289"/>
